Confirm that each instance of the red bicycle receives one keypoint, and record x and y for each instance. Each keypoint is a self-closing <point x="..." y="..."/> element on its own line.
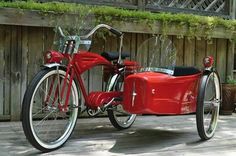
<point x="55" y="92"/>
<point x="54" y="98"/>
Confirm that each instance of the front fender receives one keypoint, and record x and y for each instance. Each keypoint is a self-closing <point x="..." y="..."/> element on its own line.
<point x="51" y="65"/>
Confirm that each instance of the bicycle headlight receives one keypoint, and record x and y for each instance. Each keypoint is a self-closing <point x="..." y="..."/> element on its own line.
<point x="47" y="56"/>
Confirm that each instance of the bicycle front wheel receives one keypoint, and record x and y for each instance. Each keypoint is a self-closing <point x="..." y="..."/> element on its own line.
<point x="46" y="125"/>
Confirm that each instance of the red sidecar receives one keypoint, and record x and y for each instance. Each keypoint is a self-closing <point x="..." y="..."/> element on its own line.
<point x="187" y="91"/>
<point x="160" y="87"/>
<point x="159" y="93"/>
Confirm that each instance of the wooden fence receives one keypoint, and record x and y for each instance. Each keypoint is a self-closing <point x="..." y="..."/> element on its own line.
<point x="21" y="55"/>
<point x="24" y="38"/>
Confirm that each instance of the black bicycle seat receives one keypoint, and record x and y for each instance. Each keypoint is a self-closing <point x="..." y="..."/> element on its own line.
<point x="114" y="55"/>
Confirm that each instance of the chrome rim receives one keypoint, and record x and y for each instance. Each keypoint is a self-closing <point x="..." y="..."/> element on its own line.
<point x="50" y="126"/>
<point x="211" y="104"/>
<point x="123" y="118"/>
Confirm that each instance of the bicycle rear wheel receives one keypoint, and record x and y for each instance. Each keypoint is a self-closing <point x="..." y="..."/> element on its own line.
<point x="45" y="124"/>
<point x="118" y="117"/>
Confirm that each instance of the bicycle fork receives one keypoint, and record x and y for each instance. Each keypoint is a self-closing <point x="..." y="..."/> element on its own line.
<point x="62" y="89"/>
<point x="64" y="106"/>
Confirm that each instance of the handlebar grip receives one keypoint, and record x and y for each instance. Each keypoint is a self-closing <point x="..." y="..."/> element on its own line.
<point x="117" y="32"/>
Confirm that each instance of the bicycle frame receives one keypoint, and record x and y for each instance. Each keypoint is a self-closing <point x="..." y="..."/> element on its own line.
<point x="81" y="61"/>
<point x="78" y="63"/>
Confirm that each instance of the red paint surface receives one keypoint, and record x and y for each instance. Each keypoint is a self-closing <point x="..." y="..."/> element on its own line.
<point x="158" y="93"/>
<point x="86" y="60"/>
<point x="130" y="67"/>
<point x="208" y="61"/>
<point x="97" y="99"/>
<point x="56" y="57"/>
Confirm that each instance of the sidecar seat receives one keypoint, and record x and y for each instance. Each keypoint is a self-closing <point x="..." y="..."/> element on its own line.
<point x="184" y="71"/>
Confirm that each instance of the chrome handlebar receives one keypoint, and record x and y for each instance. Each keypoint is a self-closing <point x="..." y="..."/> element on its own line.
<point x="114" y="31"/>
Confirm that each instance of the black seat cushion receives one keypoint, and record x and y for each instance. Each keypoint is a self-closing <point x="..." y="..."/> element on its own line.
<point x="114" y="55"/>
<point x="184" y="71"/>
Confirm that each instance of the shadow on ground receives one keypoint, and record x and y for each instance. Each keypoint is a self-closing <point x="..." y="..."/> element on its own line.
<point x="147" y="140"/>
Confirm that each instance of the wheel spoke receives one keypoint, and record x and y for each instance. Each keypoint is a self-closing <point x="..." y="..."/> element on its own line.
<point x="48" y="96"/>
<point x="45" y="117"/>
<point x="39" y="111"/>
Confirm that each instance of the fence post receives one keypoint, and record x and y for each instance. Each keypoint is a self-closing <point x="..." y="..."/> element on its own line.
<point x="141" y="4"/>
<point x="232" y="9"/>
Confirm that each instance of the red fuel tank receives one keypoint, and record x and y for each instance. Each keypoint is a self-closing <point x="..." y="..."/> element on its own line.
<point x="158" y="93"/>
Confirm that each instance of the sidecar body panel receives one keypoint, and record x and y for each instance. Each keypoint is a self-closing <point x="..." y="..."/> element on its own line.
<point x="158" y="93"/>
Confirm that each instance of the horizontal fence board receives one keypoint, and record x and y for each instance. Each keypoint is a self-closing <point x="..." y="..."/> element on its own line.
<point x="5" y="117"/>
<point x="19" y="17"/>
<point x="10" y="16"/>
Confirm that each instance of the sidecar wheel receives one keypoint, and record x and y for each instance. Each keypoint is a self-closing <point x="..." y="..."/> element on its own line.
<point x="208" y="104"/>
<point x="118" y="117"/>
